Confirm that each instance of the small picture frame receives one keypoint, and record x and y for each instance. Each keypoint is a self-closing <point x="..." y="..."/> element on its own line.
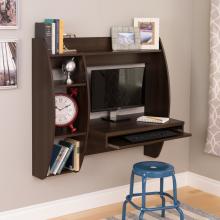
<point x="125" y="38"/>
<point x="8" y="14"/>
<point x="8" y="64"/>
<point x="149" y="32"/>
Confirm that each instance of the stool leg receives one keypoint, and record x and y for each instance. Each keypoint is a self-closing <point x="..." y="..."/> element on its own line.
<point x="131" y="195"/>
<point x="175" y="198"/>
<point x="143" y="197"/>
<point x="132" y="184"/>
<point x="174" y="190"/>
<point x="181" y="213"/>
<point x="143" y="192"/>
<point x="141" y="216"/>
<point x="162" y="196"/>
<point x="124" y="210"/>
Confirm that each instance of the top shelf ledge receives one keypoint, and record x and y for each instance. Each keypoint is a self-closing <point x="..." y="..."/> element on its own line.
<point x="100" y="53"/>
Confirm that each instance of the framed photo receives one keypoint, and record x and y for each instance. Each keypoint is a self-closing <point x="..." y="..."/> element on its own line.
<point x="8" y="14"/>
<point x="8" y="64"/>
<point x="149" y="32"/>
<point x="125" y="38"/>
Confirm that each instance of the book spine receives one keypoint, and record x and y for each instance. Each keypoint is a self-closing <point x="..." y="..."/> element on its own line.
<point x="51" y="21"/>
<point x="53" y="38"/>
<point x="77" y="156"/>
<point x="70" y="161"/>
<point x="56" y="161"/>
<point x="65" y="159"/>
<point x="60" y="160"/>
<point x="57" y="35"/>
<point x="61" y="33"/>
<point x="43" y="30"/>
<point x="48" y="36"/>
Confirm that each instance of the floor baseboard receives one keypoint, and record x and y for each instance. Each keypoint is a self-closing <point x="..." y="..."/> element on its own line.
<point x="203" y="183"/>
<point x="105" y="197"/>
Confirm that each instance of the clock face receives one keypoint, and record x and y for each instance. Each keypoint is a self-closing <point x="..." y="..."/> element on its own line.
<point x="66" y="110"/>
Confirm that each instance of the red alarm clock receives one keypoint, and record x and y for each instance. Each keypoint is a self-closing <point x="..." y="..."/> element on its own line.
<point x="66" y="110"/>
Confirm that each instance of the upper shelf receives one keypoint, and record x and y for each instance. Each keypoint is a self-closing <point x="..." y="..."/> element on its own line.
<point x="95" y="46"/>
<point x="61" y="84"/>
<point x="99" y="53"/>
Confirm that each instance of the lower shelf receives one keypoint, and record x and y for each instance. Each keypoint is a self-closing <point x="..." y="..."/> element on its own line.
<point x="63" y="172"/>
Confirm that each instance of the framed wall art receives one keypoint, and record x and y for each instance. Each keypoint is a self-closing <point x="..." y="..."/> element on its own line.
<point x="8" y="14"/>
<point x="149" y="32"/>
<point x="125" y="38"/>
<point x="8" y="64"/>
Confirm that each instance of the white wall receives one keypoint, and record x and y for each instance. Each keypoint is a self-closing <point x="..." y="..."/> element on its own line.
<point x="88" y="18"/>
<point x="201" y="162"/>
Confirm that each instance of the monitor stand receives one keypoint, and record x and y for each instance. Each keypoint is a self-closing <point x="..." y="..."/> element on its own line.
<point x="113" y="117"/>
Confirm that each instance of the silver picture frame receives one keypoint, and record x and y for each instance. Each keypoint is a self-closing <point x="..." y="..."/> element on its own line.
<point x="8" y="64"/>
<point x="125" y="38"/>
<point x="149" y="32"/>
<point x="9" y="14"/>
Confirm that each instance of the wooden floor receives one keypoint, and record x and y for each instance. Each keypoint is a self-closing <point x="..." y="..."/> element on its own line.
<point x="193" y="197"/>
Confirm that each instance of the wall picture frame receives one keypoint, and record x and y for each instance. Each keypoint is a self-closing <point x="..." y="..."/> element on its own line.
<point x="149" y="32"/>
<point x="8" y="64"/>
<point x="125" y="38"/>
<point x="9" y="14"/>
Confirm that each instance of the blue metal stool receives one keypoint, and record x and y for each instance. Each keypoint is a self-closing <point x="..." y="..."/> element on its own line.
<point x="152" y="169"/>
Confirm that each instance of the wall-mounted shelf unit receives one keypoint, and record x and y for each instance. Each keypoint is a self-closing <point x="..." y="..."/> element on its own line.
<point x="96" y="135"/>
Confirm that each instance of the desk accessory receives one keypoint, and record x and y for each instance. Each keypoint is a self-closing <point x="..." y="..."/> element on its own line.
<point x="68" y="67"/>
<point x="125" y="38"/>
<point x="149" y="32"/>
<point x="153" y="119"/>
<point x="66" y="110"/>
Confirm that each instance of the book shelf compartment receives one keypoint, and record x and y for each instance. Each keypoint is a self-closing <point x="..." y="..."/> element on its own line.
<point x="77" y="76"/>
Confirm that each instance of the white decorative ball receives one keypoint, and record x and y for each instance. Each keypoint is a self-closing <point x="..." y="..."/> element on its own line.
<point x="70" y="66"/>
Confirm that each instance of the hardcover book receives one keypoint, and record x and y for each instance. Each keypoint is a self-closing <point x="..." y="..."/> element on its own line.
<point x="71" y="147"/>
<point x="76" y="154"/>
<point x="55" y="154"/>
<point x="53" y="36"/>
<point x="59" y="160"/>
<point x="44" y="30"/>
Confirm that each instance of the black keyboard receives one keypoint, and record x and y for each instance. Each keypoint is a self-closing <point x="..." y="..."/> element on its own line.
<point x="149" y="136"/>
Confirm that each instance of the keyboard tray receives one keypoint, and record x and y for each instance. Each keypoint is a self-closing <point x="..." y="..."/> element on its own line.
<point x="121" y="142"/>
<point x="150" y="135"/>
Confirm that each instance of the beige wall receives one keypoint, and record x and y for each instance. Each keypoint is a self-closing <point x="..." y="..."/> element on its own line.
<point x="201" y="162"/>
<point x="88" y="18"/>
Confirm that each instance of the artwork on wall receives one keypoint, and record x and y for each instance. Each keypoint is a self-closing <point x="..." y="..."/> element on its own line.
<point x="149" y="32"/>
<point x="125" y="38"/>
<point x="8" y="64"/>
<point x="8" y="14"/>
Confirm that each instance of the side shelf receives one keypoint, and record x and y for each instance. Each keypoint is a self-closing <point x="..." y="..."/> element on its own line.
<point x="43" y="112"/>
<point x="44" y="88"/>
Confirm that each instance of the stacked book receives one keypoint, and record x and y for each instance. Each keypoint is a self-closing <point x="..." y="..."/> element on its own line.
<point x="52" y="30"/>
<point x="65" y="155"/>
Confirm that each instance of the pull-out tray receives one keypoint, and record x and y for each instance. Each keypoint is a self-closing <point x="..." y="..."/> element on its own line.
<point x="119" y="142"/>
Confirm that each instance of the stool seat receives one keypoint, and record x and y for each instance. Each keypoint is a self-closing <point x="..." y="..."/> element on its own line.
<point x="153" y="169"/>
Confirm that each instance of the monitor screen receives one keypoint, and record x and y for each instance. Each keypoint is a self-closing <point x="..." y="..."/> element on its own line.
<point x="112" y="89"/>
